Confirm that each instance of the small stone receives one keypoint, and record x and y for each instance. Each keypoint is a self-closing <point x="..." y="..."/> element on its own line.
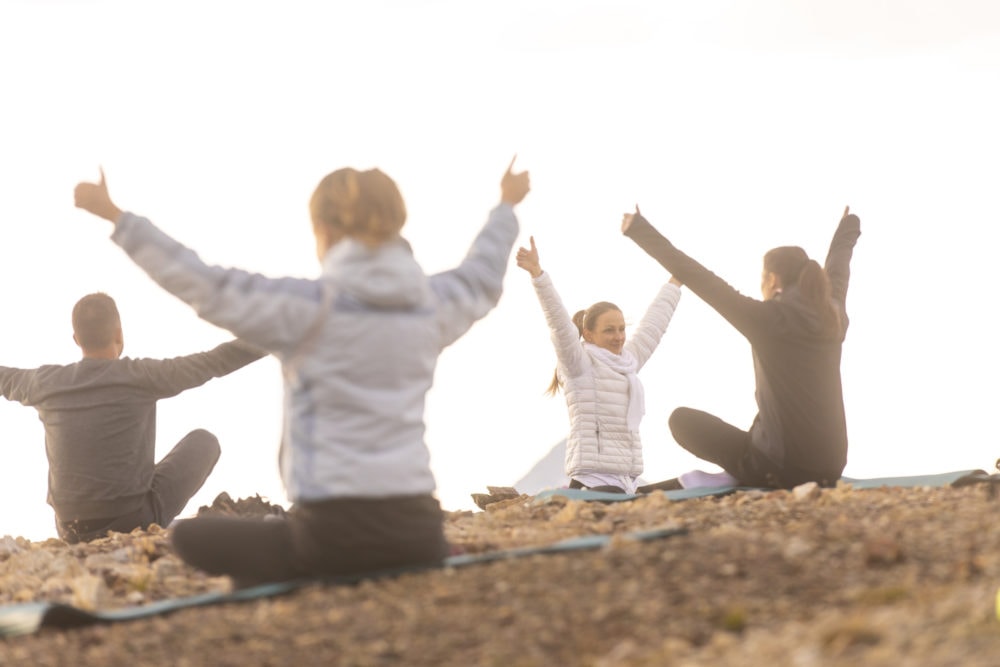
<point x="882" y="550"/>
<point x="796" y="548"/>
<point x="554" y="499"/>
<point x="24" y="595"/>
<point x="570" y="512"/>
<point x="8" y="546"/>
<point x="89" y="591"/>
<point x="135" y="598"/>
<point x="166" y="567"/>
<point x="729" y="570"/>
<point x="619" y="654"/>
<point x="807" y="491"/>
<point x="750" y="496"/>
<point x="505" y="504"/>
<point x="503" y="492"/>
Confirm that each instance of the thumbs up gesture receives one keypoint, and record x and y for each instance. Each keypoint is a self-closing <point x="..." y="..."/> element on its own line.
<point x="94" y="198"/>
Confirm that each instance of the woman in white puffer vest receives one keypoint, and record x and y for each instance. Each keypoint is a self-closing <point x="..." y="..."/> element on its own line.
<point x="597" y="371"/>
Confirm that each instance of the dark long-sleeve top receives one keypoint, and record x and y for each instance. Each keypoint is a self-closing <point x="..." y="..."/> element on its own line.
<point x="100" y="421"/>
<point x="800" y="422"/>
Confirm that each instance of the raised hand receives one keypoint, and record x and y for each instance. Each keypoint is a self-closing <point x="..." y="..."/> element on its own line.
<point x="627" y="218"/>
<point x="528" y="259"/>
<point x="94" y="198"/>
<point x="514" y="187"/>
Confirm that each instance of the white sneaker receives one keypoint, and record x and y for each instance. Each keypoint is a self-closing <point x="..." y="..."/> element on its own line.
<point x="697" y="479"/>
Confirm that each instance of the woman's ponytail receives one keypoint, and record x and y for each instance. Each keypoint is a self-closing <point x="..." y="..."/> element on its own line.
<point x="793" y="267"/>
<point x="814" y="285"/>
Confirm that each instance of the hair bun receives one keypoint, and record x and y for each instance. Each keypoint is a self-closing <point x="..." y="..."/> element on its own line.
<point x="359" y="204"/>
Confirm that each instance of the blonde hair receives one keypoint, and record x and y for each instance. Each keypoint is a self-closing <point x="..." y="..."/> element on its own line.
<point x="365" y="205"/>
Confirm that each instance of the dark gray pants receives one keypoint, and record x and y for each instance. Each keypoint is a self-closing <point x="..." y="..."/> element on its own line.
<point x="711" y="439"/>
<point x="176" y="478"/>
<point x="339" y="536"/>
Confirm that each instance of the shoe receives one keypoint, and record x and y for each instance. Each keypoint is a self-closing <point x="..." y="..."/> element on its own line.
<point x="666" y="485"/>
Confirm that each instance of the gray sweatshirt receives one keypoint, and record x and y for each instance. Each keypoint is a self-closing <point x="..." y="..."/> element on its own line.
<point x="100" y="421"/>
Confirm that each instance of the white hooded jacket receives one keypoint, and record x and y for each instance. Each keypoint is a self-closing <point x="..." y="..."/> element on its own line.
<point x="597" y="396"/>
<point x="358" y="346"/>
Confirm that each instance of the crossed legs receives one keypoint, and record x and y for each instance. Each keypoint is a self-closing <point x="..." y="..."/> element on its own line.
<point x="176" y="478"/>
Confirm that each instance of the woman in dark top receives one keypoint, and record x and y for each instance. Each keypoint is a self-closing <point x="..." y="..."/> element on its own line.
<point x="795" y="332"/>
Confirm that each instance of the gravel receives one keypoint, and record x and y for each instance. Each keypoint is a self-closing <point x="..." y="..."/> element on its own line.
<point x="890" y="576"/>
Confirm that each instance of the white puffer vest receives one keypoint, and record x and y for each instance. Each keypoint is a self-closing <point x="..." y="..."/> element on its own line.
<point x="597" y="396"/>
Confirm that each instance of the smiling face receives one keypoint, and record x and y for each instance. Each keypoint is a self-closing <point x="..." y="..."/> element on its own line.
<point x="608" y="331"/>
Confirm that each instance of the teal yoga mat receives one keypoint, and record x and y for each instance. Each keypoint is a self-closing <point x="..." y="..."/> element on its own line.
<point x="938" y="479"/>
<point x="29" y="617"/>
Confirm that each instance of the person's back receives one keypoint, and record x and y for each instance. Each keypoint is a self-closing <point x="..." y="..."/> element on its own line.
<point x="358" y="348"/>
<point x="99" y="417"/>
<point x="360" y="383"/>
<point x="801" y="402"/>
<point x="795" y="332"/>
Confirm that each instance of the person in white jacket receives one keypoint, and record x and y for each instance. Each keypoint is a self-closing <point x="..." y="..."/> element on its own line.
<point x="597" y="370"/>
<point x="358" y="347"/>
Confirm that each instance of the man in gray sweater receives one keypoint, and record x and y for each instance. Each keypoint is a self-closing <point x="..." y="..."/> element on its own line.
<point x="100" y="426"/>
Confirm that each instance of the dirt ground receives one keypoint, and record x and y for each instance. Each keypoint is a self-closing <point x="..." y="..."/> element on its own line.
<point x="841" y="576"/>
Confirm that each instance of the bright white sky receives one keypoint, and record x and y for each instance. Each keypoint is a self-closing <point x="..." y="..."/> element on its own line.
<point x="737" y="126"/>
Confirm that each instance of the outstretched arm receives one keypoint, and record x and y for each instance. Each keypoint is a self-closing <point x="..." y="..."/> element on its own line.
<point x="565" y="335"/>
<point x="528" y="259"/>
<point x="644" y="341"/>
<point x="838" y="259"/>
<point x="16" y="384"/>
<point x="167" y="377"/>
<point x="627" y="222"/>
<point x="739" y="310"/>
<point x="469" y="291"/>
<point x="271" y="313"/>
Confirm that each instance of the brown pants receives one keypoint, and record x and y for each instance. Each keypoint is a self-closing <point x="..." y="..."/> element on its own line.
<point x="340" y="536"/>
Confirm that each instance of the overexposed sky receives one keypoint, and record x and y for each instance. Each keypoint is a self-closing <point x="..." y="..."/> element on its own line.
<point x="737" y="126"/>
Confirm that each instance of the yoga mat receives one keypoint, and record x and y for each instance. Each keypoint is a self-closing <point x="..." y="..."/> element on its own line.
<point x="938" y="479"/>
<point x="605" y="497"/>
<point x="29" y="617"/>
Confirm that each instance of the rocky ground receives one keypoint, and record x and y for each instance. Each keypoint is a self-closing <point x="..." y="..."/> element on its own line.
<point x="842" y="576"/>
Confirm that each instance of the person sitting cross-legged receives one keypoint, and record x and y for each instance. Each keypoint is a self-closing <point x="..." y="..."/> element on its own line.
<point x="99" y="415"/>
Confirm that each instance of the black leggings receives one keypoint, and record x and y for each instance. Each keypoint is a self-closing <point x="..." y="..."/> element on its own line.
<point x="341" y="536"/>
<point x="709" y="438"/>
<point x="607" y="488"/>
